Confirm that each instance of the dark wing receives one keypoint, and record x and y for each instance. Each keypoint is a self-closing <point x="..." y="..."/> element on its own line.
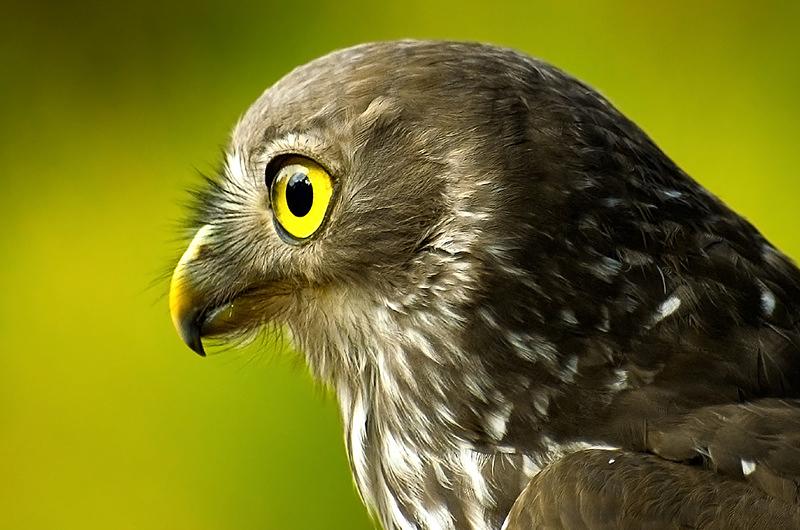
<point x="721" y="466"/>
<point x="599" y="489"/>
<point x="758" y="441"/>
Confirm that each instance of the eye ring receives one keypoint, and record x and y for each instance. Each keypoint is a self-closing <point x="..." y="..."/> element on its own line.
<point x="300" y="192"/>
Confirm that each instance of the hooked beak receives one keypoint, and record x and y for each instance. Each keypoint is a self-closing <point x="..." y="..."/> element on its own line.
<point x="196" y="312"/>
<point x="186" y="303"/>
<point x="201" y="309"/>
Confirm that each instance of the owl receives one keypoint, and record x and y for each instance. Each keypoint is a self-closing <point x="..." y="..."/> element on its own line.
<point x="529" y="315"/>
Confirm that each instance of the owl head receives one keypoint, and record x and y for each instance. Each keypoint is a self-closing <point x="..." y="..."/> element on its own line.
<point x="417" y="196"/>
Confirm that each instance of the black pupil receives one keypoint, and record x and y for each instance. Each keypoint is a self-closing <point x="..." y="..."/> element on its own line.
<point x="299" y="194"/>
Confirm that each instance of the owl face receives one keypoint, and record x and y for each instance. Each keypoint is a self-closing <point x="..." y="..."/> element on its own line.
<point x="346" y="192"/>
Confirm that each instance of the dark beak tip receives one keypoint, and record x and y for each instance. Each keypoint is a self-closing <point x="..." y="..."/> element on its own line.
<point x="190" y="332"/>
<point x="197" y="347"/>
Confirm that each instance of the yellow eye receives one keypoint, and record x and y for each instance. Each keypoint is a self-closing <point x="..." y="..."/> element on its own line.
<point x="300" y="194"/>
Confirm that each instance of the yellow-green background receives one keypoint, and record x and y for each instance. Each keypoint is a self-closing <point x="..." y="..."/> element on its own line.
<point x="106" y="111"/>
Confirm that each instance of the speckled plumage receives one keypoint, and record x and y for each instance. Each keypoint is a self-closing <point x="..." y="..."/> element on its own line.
<point x="511" y="272"/>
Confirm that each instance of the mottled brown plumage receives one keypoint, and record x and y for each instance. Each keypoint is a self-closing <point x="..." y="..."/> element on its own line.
<point x="613" y="489"/>
<point x="519" y="300"/>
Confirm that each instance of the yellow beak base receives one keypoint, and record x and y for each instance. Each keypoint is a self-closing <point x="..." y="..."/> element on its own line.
<point x="185" y="306"/>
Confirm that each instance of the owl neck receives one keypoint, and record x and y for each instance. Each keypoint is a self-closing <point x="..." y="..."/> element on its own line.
<point x="412" y="467"/>
<point x="423" y="427"/>
<point x="427" y="426"/>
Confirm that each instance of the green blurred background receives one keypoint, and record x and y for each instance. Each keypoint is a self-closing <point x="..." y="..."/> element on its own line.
<point x="106" y="114"/>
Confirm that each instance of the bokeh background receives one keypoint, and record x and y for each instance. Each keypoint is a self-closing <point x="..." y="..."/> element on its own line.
<point x="107" y="112"/>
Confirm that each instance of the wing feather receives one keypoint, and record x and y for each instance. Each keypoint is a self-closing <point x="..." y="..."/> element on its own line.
<point x="601" y="489"/>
